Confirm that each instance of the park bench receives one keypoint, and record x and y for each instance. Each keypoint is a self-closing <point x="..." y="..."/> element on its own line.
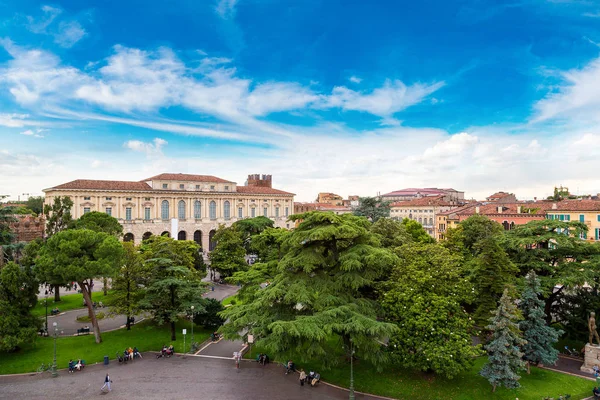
<point x="82" y="331"/>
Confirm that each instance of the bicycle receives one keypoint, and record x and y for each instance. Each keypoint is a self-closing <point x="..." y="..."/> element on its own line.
<point x="44" y="368"/>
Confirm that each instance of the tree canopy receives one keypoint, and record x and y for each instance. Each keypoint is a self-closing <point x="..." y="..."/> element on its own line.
<point x="372" y="208"/>
<point x="229" y="255"/>
<point x="99" y="222"/>
<point x="58" y="215"/>
<point x="316" y="295"/>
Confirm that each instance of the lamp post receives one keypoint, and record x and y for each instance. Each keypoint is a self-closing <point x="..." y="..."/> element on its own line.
<point x="54" y="373"/>
<point x="46" y="303"/>
<point x="192" y="339"/>
<point x="351" y="396"/>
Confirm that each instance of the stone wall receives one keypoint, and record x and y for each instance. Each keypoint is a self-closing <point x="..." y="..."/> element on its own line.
<point x="28" y="228"/>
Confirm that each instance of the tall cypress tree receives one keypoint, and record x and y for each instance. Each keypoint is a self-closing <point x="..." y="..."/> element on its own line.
<point x="504" y="354"/>
<point x="539" y="336"/>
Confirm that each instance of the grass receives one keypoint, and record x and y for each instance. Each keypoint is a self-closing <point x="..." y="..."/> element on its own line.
<point x="68" y="302"/>
<point x="405" y="384"/>
<point x="86" y="318"/>
<point x="146" y="335"/>
<point x="230" y="301"/>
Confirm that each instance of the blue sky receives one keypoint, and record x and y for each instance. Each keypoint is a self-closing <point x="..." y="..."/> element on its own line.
<point x="354" y="97"/>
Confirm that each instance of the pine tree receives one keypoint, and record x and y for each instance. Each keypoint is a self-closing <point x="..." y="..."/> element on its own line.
<point x="539" y="336"/>
<point x="504" y="354"/>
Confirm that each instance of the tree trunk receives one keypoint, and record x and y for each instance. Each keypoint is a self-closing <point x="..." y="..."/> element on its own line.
<point x="128" y="308"/>
<point x="493" y="388"/>
<point x="528" y="368"/>
<point x="105" y="281"/>
<point x="85" y="290"/>
<point x="56" y="293"/>
<point x="128" y="324"/>
<point x="173" y="338"/>
<point x="173" y="306"/>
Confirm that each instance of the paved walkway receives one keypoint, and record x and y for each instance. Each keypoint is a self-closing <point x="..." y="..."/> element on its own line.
<point x="571" y="366"/>
<point x="171" y="378"/>
<point x="68" y="324"/>
<point x="98" y="287"/>
<point x="222" y="348"/>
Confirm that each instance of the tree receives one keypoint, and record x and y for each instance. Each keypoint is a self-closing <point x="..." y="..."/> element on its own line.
<point x="316" y="296"/>
<point x="35" y="204"/>
<point x="560" y="259"/>
<point x="81" y="255"/>
<point x="504" y="354"/>
<point x="209" y="317"/>
<point x="423" y="298"/>
<point x="391" y="233"/>
<point x="6" y="218"/>
<point x="173" y="285"/>
<point x="58" y="215"/>
<point x="18" y="295"/>
<point x="416" y="231"/>
<point x="99" y="222"/>
<point x="373" y="208"/>
<point x="58" y="218"/>
<point x="466" y="237"/>
<point x="229" y="255"/>
<point x="128" y="284"/>
<point x="250" y="227"/>
<point x="539" y="337"/>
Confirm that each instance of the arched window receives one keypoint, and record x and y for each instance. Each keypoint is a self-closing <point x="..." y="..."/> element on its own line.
<point x="211" y="240"/>
<point x="226" y="210"/>
<point x="512" y="225"/>
<point x="181" y="235"/>
<point x="164" y="209"/>
<point x="146" y="235"/>
<point x="165" y="233"/>
<point x="430" y="221"/>
<point x="197" y="209"/>
<point x="420" y="220"/>
<point x="410" y="216"/>
<point x="212" y="210"/>
<point x="181" y="209"/>
<point x="128" y="237"/>
<point x="198" y="237"/>
<point x="505" y="225"/>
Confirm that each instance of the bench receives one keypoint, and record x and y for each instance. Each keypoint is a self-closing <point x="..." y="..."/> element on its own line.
<point x="81" y="331"/>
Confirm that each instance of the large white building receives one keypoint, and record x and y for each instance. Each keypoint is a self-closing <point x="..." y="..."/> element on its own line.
<point x="183" y="206"/>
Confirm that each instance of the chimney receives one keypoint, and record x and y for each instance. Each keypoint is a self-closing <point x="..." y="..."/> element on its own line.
<point x="259" y="180"/>
<point x="554" y="206"/>
<point x="499" y="209"/>
<point x="518" y="209"/>
<point x="477" y="210"/>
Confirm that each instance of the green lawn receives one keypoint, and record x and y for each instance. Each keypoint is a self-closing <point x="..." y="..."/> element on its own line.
<point x="68" y="302"/>
<point x="146" y="336"/>
<point x="231" y="300"/>
<point x="405" y="384"/>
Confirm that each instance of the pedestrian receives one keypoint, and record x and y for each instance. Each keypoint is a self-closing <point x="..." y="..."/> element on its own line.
<point x="302" y="377"/>
<point x="107" y="382"/>
<point x="71" y="366"/>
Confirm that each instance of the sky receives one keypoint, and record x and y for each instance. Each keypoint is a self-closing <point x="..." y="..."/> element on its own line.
<point x="343" y="96"/>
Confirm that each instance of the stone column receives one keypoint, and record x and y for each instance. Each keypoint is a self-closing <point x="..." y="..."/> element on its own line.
<point x="592" y="352"/>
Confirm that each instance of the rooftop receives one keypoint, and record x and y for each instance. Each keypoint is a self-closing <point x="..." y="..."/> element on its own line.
<point x="424" y="201"/>
<point x="186" y="177"/>
<point x="84" y="184"/>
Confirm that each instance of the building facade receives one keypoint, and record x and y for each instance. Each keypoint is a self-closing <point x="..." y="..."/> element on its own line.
<point x="183" y="206"/>
<point x="423" y="210"/>
<point x="585" y="211"/>
<point x="417" y="193"/>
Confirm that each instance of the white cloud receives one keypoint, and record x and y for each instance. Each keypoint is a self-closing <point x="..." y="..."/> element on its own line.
<point x="69" y="33"/>
<point x="392" y="97"/>
<point x="13" y="120"/>
<point x="226" y="8"/>
<point x="576" y="98"/>
<point x="592" y="15"/>
<point x="40" y="25"/>
<point x="28" y="132"/>
<point x="355" y="79"/>
<point x="149" y="148"/>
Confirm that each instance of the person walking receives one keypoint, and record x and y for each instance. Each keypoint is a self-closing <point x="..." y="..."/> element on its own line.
<point x="107" y="382"/>
<point x="302" y="377"/>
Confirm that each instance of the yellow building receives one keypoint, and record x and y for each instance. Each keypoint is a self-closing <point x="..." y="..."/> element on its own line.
<point x="424" y="210"/>
<point x="586" y="211"/>
<point x="183" y="206"/>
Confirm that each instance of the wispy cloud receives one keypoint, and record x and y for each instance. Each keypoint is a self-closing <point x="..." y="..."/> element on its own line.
<point x="355" y="79"/>
<point x="66" y="33"/>
<point x="226" y="8"/>
<point x="592" y="14"/>
<point x="149" y="148"/>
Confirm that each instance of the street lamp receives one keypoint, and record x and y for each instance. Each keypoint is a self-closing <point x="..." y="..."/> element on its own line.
<point x="54" y="373"/>
<point x="46" y="303"/>
<point x="351" y="396"/>
<point x="192" y="340"/>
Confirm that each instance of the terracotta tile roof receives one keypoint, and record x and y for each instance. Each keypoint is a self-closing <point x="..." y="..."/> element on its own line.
<point x="85" y="184"/>
<point x="459" y="210"/>
<point x="538" y="208"/>
<point x="260" y="190"/>
<point x="421" y="191"/>
<point x="575" y="205"/>
<point x="499" y="195"/>
<point x="423" y="202"/>
<point x="186" y="177"/>
<point x="323" y="206"/>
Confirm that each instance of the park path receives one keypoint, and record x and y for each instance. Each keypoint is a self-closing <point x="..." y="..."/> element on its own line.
<point x="68" y="324"/>
<point x="98" y="287"/>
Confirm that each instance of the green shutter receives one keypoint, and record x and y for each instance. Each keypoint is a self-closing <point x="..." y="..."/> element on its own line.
<point x="561" y="217"/>
<point x="581" y="218"/>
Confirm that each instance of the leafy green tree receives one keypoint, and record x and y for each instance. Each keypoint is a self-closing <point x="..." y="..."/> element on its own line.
<point x="6" y="218"/>
<point x="81" y="255"/>
<point x="372" y="208"/>
<point x="58" y="215"/>
<point x="416" y="231"/>
<point x="24" y="211"/>
<point x="391" y="233"/>
<point x="466" y="237"/>
<point x="209" y="317"/>
<point x="58" y="218"/>
<point x="423" y="298"/>
<point x="229" y="255"/>
<point x="18" y="295"/>
<point x="250" y="227"/>
<point x="35" y="204"/>
<point x="554" y="250"/>
<point x="173" y="285"/>
<point x="99" y="222"/>
<point x="316" y="296"/>
<point x="128" y="284"/>
<point x="504" y="354"/>
<point x="540" y="338"/>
